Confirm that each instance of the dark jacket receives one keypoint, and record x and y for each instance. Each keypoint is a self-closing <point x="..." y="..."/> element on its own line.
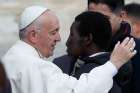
<point x="123" y="32"/>
<point x="121" y="80"/>
<point x="5" y="86"/>
<point x="136" y="66"/>
<point x="65" y="63"/>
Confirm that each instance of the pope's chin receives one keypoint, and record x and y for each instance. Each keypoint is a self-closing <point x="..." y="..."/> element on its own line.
<point x="49" y="54"/>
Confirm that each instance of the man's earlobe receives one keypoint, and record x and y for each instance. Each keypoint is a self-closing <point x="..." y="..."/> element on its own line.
<point x="32" y="36"/>
<point x="88" y="39"/>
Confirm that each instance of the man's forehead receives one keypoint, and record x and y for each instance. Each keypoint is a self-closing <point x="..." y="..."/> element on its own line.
<point x="99" y="7"/>
<point x="102" y="8"/>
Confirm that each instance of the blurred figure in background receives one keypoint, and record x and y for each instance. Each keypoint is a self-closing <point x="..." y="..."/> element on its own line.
<point x="132" y="14"/>
<point x="112" y="9"/>
<point x="4" y="82"/>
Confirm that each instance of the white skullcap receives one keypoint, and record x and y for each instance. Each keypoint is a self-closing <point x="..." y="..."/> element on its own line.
<point x="29" y="15"/>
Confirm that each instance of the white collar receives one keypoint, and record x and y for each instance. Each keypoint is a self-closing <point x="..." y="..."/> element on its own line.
<point x="96" y="54"/>
<point x="30" y="49"/>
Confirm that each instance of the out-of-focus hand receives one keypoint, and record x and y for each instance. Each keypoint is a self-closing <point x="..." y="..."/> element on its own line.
<point x="123" y="52"/>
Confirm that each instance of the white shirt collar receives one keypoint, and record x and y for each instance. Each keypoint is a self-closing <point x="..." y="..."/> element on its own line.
<point x="30" y="49"/>
<point x="96" y="54"/>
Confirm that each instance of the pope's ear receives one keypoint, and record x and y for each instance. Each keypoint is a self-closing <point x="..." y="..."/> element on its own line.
<point x="32" y="36"/>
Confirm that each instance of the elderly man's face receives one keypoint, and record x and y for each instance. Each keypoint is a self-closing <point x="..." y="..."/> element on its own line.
<point x="48" y="35"/>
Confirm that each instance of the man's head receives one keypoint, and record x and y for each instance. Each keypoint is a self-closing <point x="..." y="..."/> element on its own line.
<point x="89" y="33"/>
<point x="110" y="8"/>
<point x="39" y="27"/>
<point x="133" y="15"/>
<point x="109" y="5"/>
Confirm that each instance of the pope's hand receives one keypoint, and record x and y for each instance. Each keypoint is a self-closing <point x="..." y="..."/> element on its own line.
<point x="123" y="52"/>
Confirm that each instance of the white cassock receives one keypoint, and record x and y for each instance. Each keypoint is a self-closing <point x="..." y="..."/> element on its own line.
<point x="28" y="73"/>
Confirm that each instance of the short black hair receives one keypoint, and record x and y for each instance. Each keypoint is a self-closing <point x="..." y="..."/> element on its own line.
<point x="96" y="24"/>
<point x="133" y="9"/>
<point x="123" y="32"/>
<point x="114" y="5"/>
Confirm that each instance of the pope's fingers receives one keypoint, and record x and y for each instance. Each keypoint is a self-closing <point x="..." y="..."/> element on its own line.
<point x="131" y="44"/>
<point x="125" y="41"/>
<point x="134" y="44"/>
<point x="132" y="47"/>
<point x="117" y="45"/>
<point x="134" y="53"/>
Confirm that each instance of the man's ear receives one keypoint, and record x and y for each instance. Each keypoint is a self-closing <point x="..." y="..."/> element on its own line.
<point x="88" y="40"/>
<point x="123" y="15"/>
<point x="32" y="36"/>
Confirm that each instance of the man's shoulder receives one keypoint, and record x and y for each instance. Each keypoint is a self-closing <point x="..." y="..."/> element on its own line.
<point x="64" y="58"/>
<point x="65" y="63"/>
<point x="99" y="59"/>
<point x="92" y="62"/>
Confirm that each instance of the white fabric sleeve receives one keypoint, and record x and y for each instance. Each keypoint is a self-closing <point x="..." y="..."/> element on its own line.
<point x="99" y="80"/>
<point x="28" y="81"/>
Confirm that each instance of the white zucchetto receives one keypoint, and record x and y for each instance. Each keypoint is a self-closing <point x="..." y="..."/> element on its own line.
<point x="30" y="14"/>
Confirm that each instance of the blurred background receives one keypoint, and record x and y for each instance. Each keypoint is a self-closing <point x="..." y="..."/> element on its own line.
<point x="66" y="10"/>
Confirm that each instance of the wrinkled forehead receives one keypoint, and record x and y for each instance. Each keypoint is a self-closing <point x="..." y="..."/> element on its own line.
<point x="49" y="15"/>
<point x="48" y="18"/>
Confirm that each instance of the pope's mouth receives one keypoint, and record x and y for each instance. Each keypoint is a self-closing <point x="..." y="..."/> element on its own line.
<point x="53" y="46"/>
